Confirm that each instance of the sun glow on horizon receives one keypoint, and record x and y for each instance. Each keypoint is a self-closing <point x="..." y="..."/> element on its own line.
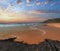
<point x="7" y="16"/>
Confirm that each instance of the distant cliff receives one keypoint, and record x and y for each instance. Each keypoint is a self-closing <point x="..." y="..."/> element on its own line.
<point x="11" y="45"/>
<point x="56" y="20"/>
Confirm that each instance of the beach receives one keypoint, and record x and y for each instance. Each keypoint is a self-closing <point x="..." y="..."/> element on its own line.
<point x="32" y="34"/>
<point x="54" y="24"/>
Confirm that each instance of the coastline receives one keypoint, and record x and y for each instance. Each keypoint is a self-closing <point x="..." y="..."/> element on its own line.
<point x="32" y="34"/>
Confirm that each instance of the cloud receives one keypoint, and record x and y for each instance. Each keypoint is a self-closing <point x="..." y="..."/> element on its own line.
<point x="58" y="2"/>
<point x="15" y="17"/>
<point x="28" y="1"/>
<point x="41" y="3"/>
<point x="19" y="1"/>
<point x="35" y="12"/>
<point x="10" y="4"/>
<point x="2" y="0"/>
<point x="38" y="3"/>
<point x="42" y="11"/>
<point x="30" y="4"/>
<point x="49" y="0"/>
<point x="45" y="3"/>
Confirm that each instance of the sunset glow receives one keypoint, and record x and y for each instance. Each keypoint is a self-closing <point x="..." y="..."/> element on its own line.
<point x="28" y="10"/>
<point x="5" y="17"/>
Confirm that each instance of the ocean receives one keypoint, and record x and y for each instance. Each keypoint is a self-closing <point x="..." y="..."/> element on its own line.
<point x="21" y="24"/>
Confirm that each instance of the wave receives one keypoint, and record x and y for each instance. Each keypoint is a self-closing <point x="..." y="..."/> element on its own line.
<point x="22" y="24"/>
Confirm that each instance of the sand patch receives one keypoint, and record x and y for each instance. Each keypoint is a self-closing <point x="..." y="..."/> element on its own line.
<point x="54" y="24"/>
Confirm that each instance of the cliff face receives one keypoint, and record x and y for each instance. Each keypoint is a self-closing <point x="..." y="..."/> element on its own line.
<point x="56" y="20"/>
<point x="11" y="45"/>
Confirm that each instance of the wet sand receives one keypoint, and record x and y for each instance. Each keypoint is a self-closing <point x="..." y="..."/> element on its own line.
<point x="30" y="34"/>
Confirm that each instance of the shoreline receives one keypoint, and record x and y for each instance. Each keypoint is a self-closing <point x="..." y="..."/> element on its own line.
<point x="31" y="34"/>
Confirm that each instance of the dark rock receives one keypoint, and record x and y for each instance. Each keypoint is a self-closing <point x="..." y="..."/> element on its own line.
<point x="11" y="45"/>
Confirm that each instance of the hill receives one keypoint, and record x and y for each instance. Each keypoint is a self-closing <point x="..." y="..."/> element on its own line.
<point x="56" y="20"/>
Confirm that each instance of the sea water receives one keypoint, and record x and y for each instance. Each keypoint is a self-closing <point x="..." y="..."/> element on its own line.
<point x="21" y="24"/>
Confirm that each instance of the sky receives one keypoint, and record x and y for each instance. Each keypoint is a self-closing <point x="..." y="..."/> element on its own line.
<point x="28" y="10"/>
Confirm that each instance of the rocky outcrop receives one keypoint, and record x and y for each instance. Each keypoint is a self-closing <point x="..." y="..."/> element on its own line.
<point x="11" y="45"/>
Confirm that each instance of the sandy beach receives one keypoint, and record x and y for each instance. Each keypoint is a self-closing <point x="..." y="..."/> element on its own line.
<point x="54" y="24"/>
<point x="31" y="34"/>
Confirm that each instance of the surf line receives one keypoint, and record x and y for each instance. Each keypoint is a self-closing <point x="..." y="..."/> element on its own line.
<point x="35" y="28"/>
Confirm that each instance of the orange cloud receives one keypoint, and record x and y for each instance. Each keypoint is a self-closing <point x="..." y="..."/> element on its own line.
<point x="36" y="12"/>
